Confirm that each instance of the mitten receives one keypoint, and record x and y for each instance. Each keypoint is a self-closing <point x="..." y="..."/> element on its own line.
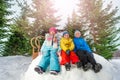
<point x="68" y="52"/>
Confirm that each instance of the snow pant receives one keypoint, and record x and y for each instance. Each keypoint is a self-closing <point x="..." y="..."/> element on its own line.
<point x="72" y="57"/>
<point x="85" y="57"/>
<point x="50" y="57"/>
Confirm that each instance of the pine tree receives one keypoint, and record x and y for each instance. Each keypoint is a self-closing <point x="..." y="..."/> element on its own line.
<point x="100" y="22"/>
<point x="19" y="34"/>
<point x="21" y="23"/>
<point x="16" y="44"/>
<point x="44" y="17"/>
<point x="73" y="24"/>
<point x="4" y="26"/>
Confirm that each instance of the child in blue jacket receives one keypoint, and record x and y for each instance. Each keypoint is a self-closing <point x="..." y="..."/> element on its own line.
<point x="49" y="51"/>
<point x="84" y="53"/>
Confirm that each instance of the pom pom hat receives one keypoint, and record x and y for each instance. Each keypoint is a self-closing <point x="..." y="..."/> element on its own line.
<point x="53" y="29"/>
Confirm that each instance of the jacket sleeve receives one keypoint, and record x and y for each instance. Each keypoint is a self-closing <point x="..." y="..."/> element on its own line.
<point x="59" y="48"/>
<point x="43" y="45"/>
<point x="87" y="46"/>
<point x="75" y="44"/>
<point x="62" y="45"/>
<point x="72" y="45"/>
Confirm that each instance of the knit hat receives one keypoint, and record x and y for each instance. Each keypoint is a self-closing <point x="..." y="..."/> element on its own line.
<point x="76" y="31"/>
<point x="65" y="32"/>
<point x="53" y="29"/>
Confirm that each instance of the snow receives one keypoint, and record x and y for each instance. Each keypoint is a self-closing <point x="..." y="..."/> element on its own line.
<point x="22" y="68"/>
<point x="116" y="65"/>
<point x="108" y="72"/>
<point x="13" y="67"/>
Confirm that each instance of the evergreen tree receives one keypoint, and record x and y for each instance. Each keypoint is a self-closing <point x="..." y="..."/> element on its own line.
<point x="44" y="17"/>
<point x="73" y="23"/>
<point x="100" y="23"/>
<point x="16" y="44"/>
<point x="19" y="34"/>
<point x="21" y="23"/>
<point x="4" y="12"/>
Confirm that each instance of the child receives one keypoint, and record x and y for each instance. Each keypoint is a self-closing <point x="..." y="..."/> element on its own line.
<point x="84" y="53"/>
<point x="49" y="53"/>
<point x="67" y="53"/>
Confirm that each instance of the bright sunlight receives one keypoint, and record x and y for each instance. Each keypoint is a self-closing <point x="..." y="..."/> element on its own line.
<point x="65" y="7"/>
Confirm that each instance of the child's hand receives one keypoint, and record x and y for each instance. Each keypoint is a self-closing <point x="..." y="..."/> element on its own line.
<point x="68" y="52"/>
<point x="54" y="39"/>
<point x="58" y="53"/>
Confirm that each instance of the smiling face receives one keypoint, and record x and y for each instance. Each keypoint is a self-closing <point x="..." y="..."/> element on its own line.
<point x="66" y="36"/>
<point x="52" y="32"/>
<point x="77" y="34"/>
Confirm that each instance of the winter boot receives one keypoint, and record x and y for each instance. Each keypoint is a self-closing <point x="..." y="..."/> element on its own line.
<point x="100" y="66"/>
<point x="54" y="72"/>
<point x="79" y="64"/>
<point x="97" y="67"/>
<point x="67" y="66"/>
<point x="38" y="70"/>
<point x="87" y="66"/>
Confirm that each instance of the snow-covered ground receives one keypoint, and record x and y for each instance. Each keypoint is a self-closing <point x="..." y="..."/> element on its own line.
<point x="21" y="67"/>
<point x="116" y="65"/>
<point x="13" y="67"/>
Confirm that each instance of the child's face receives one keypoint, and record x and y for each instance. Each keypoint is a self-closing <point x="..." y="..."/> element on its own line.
<point x="78" y="34"/>
<point x="66" y="36"/>
<point x="52" y="32"/>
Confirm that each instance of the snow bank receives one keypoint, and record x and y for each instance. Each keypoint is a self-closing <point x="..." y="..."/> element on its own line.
<point x="13" y="67"/>
<point x="107" y="73"/>
<point x="116" y="65"/>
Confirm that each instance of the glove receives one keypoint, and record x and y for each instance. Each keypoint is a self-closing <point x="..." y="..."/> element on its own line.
<point x="68" y="52"/>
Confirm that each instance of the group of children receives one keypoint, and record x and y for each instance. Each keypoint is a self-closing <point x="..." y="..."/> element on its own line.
<point x="72" y="51"/>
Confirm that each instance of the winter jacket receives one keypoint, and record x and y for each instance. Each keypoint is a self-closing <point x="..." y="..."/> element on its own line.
<point x="66" y="44"/>
<point x="81" y="44"/>
<point x="49" y="44"/>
